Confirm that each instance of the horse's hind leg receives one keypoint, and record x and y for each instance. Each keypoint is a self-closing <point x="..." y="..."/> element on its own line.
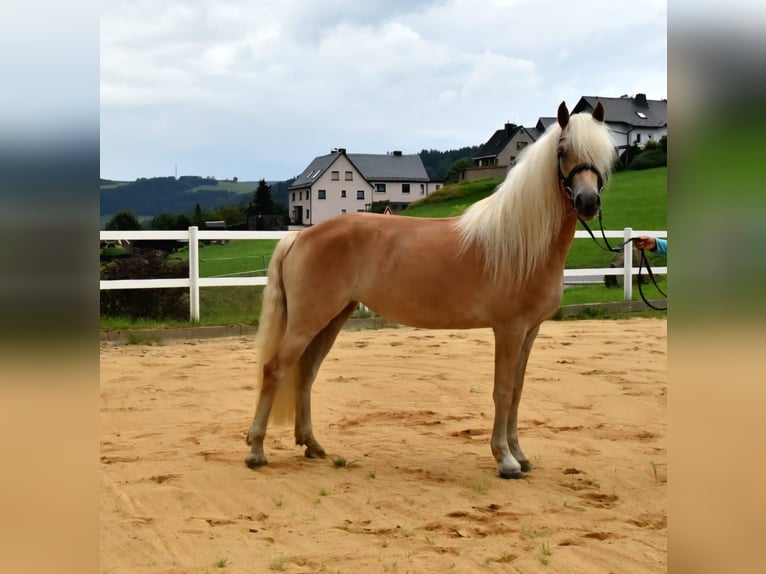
<point x="513" y="415"/>
<point x="309" y="366"/>
<point x="274" y="371"/>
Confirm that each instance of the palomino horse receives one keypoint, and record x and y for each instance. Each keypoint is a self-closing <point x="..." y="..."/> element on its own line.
<point x="499" y="265"/>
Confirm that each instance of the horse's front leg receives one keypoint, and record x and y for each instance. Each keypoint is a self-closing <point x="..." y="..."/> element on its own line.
<point x="518" y="385"/>
<point x="508" y="345"/>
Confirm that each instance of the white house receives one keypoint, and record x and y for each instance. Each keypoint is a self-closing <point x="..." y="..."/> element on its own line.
<point x="341" y="182"/>
<point x="633" y="121"/>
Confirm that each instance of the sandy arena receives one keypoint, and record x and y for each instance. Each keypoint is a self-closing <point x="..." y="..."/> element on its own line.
<point x="410" y="411"/>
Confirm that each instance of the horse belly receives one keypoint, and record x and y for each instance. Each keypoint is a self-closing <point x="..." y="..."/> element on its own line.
<point x="439" y="307"/>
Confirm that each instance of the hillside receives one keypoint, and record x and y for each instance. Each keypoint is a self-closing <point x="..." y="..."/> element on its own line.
<point x="147" y="197"/>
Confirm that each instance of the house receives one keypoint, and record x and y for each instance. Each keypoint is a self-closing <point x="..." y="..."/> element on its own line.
<point x="633" y="121"/>
<point x="342" y="182"/>
<point x="500" y="152"/>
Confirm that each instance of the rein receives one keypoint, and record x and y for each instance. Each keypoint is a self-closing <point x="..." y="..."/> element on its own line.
<point x="566" y="183"/>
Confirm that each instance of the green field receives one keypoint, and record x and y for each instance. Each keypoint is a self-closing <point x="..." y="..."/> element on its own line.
<point x="632" y="198"/>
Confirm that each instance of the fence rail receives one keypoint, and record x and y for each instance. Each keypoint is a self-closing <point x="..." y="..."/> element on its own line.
<point x="193" y="236"/>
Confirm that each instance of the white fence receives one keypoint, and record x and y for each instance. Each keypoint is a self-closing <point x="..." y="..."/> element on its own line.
<point x="193" y="236"/>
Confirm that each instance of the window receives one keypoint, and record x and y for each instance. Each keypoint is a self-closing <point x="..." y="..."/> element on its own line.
<point x="335" y="176"/>
<point x="343" y="212"/>
<point x="321" y="194"/>
<point x="521" y="145"/>
<point x="349" y="176"/>
<point x="308" y="193"/>
<point x="360" y="194"/>
<point x="641" y="115"/>
<point x="300" y="195"/>
<point x="422" y="189"/>
<point x="293" y="196"/>
<point x="405" y="188"/>
<point x="438" y="186"/>
<point x="380" y="188"/>
<point x="307" y="216"/>
<point x="638" y="138"/>
<point x="342" y="193"/>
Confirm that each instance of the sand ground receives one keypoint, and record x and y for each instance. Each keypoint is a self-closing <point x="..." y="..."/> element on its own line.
<point x="410" y="411"/>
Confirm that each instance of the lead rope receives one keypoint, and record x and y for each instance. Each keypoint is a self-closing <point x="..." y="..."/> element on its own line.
<point x="644" y="261"/>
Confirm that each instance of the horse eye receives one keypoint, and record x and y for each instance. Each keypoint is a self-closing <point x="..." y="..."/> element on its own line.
<point x="560" y="153"/>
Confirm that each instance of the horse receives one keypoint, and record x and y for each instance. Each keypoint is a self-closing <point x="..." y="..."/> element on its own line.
<point x="499" y="265"/>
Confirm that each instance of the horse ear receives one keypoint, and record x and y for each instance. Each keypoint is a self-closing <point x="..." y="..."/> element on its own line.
<point x="563" y="115"/>
<point x="598" y="112"/>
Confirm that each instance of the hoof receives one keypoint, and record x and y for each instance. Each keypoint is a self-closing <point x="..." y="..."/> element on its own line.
<point x="315" y="453"/>
<point x="254" y="461"/>
<point x="516" y="474"/>
<point x="526" y="466"/>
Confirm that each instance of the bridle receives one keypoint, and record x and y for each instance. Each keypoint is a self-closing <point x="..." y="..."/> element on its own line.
<point x="567" y="181"/>
<point x="566" y="184"/>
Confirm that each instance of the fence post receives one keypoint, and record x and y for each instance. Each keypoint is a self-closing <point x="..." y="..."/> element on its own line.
<point x="628" y="264"/>
<point x="193" y="274"/>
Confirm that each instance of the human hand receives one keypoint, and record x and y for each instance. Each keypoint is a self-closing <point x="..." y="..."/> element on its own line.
<point x="645" y="242"/>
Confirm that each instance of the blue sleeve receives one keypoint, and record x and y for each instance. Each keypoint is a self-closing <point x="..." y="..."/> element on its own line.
<point x="662" y="246"/>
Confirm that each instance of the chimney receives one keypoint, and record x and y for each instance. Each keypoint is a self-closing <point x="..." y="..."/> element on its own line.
<point x="509" y="127"/>
<point x="398" y="153"/>
<point x="640" y="100"/>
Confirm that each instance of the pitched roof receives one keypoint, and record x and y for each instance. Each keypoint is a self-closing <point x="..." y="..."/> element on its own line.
<point x="637" y="111"/>
<point x="373" y="167"/>
<point x="314" y="170"/>
<point x="389" y="167"/>
<point x="543" y="123"/>
<point x="498" y="141"/>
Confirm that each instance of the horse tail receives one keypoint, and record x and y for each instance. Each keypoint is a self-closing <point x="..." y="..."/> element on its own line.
<point x="271" y="330"/>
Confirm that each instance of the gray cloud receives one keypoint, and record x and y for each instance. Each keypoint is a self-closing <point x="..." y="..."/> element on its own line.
<point x="257" y="89"/>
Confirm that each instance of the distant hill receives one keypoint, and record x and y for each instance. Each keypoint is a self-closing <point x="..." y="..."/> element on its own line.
<point x="148" y="197"/>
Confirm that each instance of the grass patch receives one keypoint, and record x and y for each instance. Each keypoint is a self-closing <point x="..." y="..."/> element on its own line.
<point x="222" y="563"/>
<point x="142" y="339"/>
<point x="452" y="200"/>
<point x="240" y="258"/>
<point x="480" y="487"/>
<point x="341" y="462"/>
<point x="278" y="564"/>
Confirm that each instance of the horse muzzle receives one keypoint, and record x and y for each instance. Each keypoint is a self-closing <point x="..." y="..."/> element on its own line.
<point x="587" y="203"/>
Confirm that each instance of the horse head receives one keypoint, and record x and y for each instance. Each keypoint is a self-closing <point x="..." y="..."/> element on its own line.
<point x="581" y="160"/>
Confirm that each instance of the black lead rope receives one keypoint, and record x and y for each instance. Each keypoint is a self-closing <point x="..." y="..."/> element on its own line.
<point x="644" y="261"/>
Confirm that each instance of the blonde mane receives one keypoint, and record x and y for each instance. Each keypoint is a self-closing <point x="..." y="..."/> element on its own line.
<point x="514" y="227"/>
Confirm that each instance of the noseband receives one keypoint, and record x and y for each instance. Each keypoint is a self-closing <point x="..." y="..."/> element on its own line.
<point x="567" y="181"/>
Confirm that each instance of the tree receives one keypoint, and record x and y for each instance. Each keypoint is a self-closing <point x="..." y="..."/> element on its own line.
<point x="198" y="218"/>
<point x="262" y="202"/>
<point x="453" y="174"/>
<point x="123" y="221"/>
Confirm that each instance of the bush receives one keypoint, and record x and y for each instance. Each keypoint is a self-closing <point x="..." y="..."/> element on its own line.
<point x="145" y="303"/>
<point x="651" y="157"/>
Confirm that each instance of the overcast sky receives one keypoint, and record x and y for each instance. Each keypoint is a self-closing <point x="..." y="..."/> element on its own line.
<point x="257" y="89"/>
